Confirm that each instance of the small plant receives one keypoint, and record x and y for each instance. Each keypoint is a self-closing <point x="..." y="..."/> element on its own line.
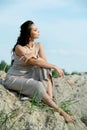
<point x="54" y="74"/>
<point x="77" y="73"/>
<point x="9" y="118"/>
<point x="84" y="119"/>
<point x="65" y="104"/>
<point x="4" y="66"/>
<point x="63" y="127"/>
<point x="3" y="119"/>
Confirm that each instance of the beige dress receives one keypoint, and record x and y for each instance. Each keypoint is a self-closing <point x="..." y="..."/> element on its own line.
<point x="27" y="79"/>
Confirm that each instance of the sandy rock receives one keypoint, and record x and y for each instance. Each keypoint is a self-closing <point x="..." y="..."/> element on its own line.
<point x="27" y="115"/>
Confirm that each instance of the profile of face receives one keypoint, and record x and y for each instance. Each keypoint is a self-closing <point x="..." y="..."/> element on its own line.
<point x="34" y="33"/>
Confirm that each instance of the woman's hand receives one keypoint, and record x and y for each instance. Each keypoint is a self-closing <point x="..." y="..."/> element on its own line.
<point x="26" y="57"/>
<point x="29" y="54"/>
<point x="60" y="72"/>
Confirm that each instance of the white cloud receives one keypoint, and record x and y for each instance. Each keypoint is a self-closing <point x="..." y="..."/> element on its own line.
<point x="16" y="12"/>
<point x="68" y="52"/>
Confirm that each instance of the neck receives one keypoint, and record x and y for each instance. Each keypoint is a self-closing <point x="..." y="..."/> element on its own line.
<point x="31" y="43"/>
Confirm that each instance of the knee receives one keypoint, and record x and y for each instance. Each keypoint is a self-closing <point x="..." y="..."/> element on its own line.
<point x="39" y="92"/>
<point x="39" y="86"/>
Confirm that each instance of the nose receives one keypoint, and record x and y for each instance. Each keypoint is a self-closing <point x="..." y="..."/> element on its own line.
<point x="38" y="31"/>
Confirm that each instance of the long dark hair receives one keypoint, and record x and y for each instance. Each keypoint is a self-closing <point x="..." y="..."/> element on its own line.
<point x="24" y="36"/>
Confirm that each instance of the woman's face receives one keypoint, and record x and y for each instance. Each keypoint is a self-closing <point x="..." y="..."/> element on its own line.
<point x="34" y="32"/>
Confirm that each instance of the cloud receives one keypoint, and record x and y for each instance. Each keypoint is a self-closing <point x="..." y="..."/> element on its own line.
<point x="38" y="9"/>
<point x="46" y="4"/>
<point x="68" y="53"/>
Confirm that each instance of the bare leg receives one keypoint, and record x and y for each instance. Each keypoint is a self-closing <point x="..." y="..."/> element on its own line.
<point x="49" y="90"/>
<point x="47" y="100"/>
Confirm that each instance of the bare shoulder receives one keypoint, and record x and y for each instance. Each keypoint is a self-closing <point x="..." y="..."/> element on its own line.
<point x="20" y="50"/>
<point x="40" y="45"/>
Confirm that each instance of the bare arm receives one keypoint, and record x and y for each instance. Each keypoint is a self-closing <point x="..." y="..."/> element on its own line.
<point x="42" y="63"/>
<point x="41" y="52"/>
<point x="21" y="51"/>
<point x="31" y="59"/>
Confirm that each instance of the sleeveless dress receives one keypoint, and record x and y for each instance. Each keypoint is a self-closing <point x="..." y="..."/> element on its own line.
<point x="28" y="79"/>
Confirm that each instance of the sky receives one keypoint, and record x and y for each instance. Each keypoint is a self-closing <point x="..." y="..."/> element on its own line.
<point x="62" y="25"/>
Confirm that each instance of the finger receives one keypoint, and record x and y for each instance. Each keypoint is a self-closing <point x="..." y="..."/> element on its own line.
<point x="60" y="74"/>
<point x="30" y="58"/>
<point x="21" y="58"/>
<point x="63" y="74"/>
<point x="34" y="57"/>
<point x="26" y="61"/>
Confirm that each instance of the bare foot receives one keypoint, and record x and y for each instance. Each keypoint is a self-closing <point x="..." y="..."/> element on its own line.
<point x="68" y="118"/>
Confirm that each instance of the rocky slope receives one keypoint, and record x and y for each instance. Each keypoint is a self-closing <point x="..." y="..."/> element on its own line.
<point x="69" y="92"/>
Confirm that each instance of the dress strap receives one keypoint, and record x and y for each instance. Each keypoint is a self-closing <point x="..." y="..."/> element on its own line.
<point x="37" y="49"/>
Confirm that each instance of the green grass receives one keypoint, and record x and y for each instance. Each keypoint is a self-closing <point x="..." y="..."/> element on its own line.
<point x="14" y="116"/>
<point x="63" y="127"/>
<point x="9" y="118"/>
<point x="84" y="119"/>
<point x="65" y="105"/>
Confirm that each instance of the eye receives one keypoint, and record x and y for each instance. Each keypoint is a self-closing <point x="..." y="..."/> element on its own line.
<point x="35" y="30"/>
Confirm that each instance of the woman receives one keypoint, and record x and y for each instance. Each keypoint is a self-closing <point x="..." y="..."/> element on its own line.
<point x="30" y="71"/>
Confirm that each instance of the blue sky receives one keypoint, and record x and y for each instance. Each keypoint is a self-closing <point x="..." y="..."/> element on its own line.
<point x="62" y="25"/>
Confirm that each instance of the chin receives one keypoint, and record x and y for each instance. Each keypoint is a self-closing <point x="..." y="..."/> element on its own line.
<point x="37" y="37"/>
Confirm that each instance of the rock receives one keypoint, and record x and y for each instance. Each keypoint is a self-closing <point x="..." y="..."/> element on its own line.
<point x="67" y="89"/>
<point x="70" y="93"/>
<point x="2" y="76"/>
